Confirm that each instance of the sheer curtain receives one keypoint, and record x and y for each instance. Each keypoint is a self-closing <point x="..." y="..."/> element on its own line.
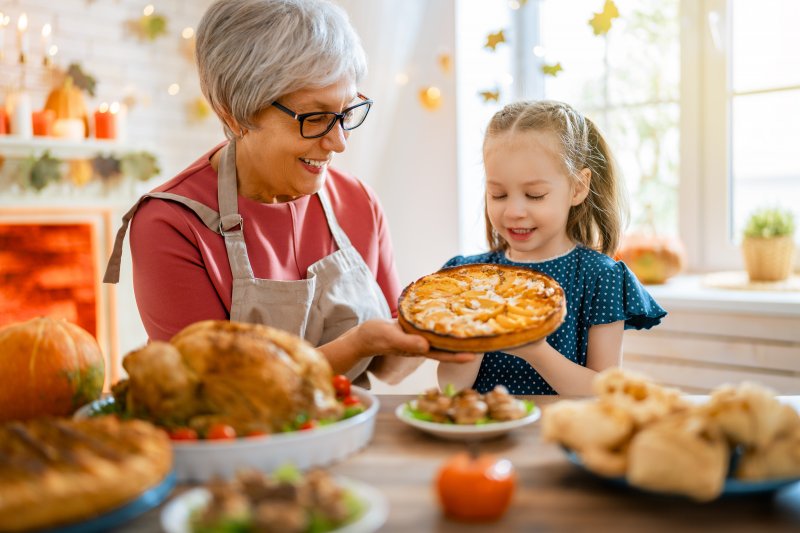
<point x="389" y="30"/>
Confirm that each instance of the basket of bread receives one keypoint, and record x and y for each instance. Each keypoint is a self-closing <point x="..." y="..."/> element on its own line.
<point x="739" y="439"/>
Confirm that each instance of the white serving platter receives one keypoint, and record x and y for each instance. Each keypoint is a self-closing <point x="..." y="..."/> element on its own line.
<point x="200" y="460"/>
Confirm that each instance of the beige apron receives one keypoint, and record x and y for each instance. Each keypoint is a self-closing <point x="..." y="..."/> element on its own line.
<point x="339" y="291"/>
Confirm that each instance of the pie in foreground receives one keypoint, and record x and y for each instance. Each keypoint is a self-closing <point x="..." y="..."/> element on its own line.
<point x="482" y="307"/>
<point x="55" y="472"/>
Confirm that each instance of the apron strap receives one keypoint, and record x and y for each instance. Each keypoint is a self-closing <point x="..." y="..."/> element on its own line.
<point x="336" y="230"/>
<point x="209" y="217"/>
<point x="231" y="224"/>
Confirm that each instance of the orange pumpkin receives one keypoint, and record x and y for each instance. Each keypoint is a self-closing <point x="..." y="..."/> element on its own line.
<point x="49" y="367"/>
<point x="652" y="258"/>
<point x="67" y="102"/>
<point x="475" y="487"/>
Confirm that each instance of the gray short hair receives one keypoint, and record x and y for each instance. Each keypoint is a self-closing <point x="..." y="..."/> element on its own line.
<point x="251" y="52"/>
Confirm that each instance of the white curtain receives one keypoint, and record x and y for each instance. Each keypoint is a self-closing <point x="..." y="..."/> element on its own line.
<point x="389" y="31"/>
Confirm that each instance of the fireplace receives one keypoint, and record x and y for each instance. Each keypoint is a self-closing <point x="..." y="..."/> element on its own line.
<point x="51" y="263"/>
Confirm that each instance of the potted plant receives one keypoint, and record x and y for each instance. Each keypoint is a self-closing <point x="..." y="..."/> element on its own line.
<point x="768" y="244"/>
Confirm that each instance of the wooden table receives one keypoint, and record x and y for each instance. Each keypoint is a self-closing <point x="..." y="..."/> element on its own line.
<point x="552" y="494"/>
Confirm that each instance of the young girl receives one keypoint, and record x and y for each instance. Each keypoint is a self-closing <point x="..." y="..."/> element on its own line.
<point x="554" y="203"/>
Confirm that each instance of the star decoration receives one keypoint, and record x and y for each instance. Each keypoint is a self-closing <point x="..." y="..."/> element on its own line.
<point x="490" y="96"/>
<point x="551" y="70"/>
<point x="601" y="22"/>
<point x="493" y="39"/>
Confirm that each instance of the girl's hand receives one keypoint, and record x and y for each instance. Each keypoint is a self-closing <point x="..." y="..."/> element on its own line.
<point x="386" y="337"/>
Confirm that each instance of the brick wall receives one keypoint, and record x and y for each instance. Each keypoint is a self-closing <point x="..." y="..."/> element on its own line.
<point x="96" y="34"/>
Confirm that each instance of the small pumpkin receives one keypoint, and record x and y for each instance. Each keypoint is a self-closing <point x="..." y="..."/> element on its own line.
<point x="67" y="102"/>
<point x="652" y="258"/>
<point x="50" y="367"/>
<point x="475" y="488"/>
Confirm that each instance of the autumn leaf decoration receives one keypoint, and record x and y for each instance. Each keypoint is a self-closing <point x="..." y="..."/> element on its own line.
<point x="150" y="27"/>
<point x="551" y="70"/>
<point x="493" y="39"/>
<point x="45" y="170"/>
<point x="140" y="166"/>
<point x="490" y="96"/>
<point x="601" y="22"/>
<point x="82" y="80"/>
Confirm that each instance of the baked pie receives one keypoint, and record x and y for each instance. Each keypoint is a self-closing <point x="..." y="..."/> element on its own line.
<point x="482" y="307"/>
<point x="55" y="472"/>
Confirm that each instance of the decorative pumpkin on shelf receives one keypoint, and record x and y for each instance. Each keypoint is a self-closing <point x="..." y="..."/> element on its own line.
<point x="768" y="244"/>
<point x="476" y="488"/>
<point x="67" y="103"/>
<point x="50" y="367"/>
<point x="652" y="258"/>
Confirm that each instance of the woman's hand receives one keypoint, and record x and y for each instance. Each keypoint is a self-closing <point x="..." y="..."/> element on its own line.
<point x="386" y="337"/>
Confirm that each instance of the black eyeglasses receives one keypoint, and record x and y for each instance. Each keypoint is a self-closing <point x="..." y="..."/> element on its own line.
<point x="315" y="125"/>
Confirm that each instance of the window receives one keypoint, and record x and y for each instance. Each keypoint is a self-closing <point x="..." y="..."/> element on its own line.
<point x="749" y="101"/>
<point x="700" y="102"/>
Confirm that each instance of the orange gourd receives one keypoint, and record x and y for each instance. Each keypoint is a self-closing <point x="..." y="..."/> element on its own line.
<point x="652" y="258"/>
<point x="475" y="488"/>
<point x="67" y="102"/>
<point x="49" y="367"/>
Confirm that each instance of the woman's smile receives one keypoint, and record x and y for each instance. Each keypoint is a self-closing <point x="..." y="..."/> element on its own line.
<point x="315" y="166"/>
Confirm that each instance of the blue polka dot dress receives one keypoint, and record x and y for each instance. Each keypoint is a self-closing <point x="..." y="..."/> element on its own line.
<point x="599" y="290"/>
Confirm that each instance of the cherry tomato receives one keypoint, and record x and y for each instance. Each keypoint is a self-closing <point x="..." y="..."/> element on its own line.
<point x="183" y="434"/>
<point x="308" y="424"/>
<point x="476" y="488"/>
<point x="351" y="400"/>
<point x="221" y="431"/>
<point x="341" y="384"/>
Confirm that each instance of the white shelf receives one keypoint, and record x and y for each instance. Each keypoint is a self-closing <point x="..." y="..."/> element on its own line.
<point x="14" y="146"/>
<point x="688" y="292"/>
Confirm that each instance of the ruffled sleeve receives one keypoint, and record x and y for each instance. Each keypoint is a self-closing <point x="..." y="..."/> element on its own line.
<point x="619" y="295"/>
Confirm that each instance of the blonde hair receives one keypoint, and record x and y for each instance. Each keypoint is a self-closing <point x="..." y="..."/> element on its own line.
<point x="251" y="52"/>
<point x="597" y="222"/>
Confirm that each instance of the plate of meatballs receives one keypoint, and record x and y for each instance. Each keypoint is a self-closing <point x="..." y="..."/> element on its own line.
<point x="467" y="415"/>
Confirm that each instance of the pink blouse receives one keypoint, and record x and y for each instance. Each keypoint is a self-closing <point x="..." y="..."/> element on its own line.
<point x="181" y="272"/>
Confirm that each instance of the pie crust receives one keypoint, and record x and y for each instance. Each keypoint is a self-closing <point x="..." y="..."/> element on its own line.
<point x="482" y="307"/>
<point x="56" y="472"/>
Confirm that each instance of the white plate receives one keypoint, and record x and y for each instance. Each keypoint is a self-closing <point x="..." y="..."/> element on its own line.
<point x="467" y="432"/>
<point x="200" y="460"/>
<point x="175" y="515"/>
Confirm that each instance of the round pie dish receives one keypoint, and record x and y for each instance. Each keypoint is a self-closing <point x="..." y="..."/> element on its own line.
<point x="320" y="446"/>
<point x="482" y="307"/>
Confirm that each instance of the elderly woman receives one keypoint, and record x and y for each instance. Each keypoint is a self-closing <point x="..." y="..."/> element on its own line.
<point x="261" y="229"/>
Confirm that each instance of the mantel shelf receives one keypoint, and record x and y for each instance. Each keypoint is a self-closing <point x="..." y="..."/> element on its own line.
<point x="13" y="146"/>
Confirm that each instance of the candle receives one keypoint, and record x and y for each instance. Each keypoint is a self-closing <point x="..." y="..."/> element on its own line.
<point x="4" y="126"/>
<point x="105" y="123"/>
<point x="4" y="21"/>
<point x="47" y="30"/>
<point x="43" y="122"/>
<point x="20" y="105"/>
<point x="69" y="128"/>
<point x="22" y="37"/>
<point x="120" y="111"/>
